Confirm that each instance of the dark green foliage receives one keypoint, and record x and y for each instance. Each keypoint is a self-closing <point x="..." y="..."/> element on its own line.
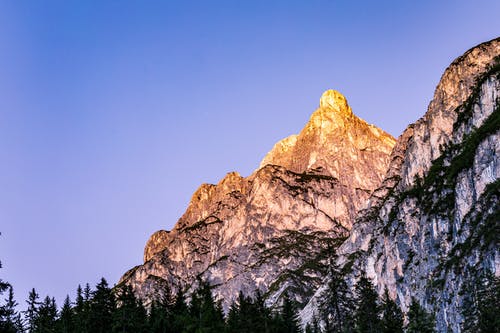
<point x="10" y="319"/>
<point x="180" y="313"/>
<point x="313" y="327"/>
<point x="206" y="314"/>
<point x="392" y="316"/>
<point x="130" y="315"/>
<point x="287" y="320"/>
<point x="101" y="308"/>
<point x="366" y="317"/>
<point x="337" y="303"/>
<point x="249" y="315"/>
<point x="481" y="305"/>
<point x="31" y="312"/>
<point x="65" y="324"/>
<point x="160" y="319"/>
<point x="419" y="320"/>
<point x="81" y="312"/>
<point x="45" y="321"/>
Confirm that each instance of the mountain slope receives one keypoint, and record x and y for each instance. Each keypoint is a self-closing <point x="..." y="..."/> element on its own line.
<point x="431" y="229"/>
<point x="271" y="230"/>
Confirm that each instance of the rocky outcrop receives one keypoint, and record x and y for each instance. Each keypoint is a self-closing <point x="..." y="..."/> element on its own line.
<point x="431" y="228"/>
<point x="332" y="140"/>
<point x="272" y="230"/>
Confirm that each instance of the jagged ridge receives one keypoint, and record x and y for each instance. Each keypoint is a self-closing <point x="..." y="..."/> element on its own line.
<point x="428" y="230"/>
<point x="233" y="233"/>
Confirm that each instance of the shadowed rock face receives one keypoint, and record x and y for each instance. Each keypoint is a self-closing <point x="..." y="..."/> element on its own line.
<point x="260" y="232"/>
<point x="431" y="227"/>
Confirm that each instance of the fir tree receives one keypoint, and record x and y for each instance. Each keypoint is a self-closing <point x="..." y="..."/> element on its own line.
<point x="489" y="305"/>
<point x="289" y="316"/>
<point x="481" y="304"/>
<point x="160" y="317"/>
<point x="10" y="319"/>
<point x="337" y="303"/>
<point x="367" y="313"/>
<point x="313" y="327"/>
<point x="81" y="312"/>
<point x="249" y="314"/>
<point x="31" y="312"/>
<point x="130" y="315"/>
<point x="206" y="315"/>
<point x="180" y="313"/>
<point x="392" y="316"/>
<point x="65" y="322"/>
<point x="101" y="308"/>
<point x="45" y="321"/>
<point x="419" y="320"/>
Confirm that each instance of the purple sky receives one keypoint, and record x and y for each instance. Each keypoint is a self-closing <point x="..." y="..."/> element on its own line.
<point x="112" y="113"/>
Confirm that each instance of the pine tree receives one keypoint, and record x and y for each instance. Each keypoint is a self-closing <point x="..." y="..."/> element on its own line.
<point x="262" y="317"/>
<point x="45" y="321"/>
<point x="289" y="315"/>
<point x="313" y="327"/>
<point x="130" y="315"/>
<point x="31" y="312"/>
<point x="180" y="316"/>
<point x="392" y="316"/>
<point x="249" y="314"/>
<point x="81" y="311"/>
<point x="419" y="320"/>
<point x="206" y="315"/>
<point x="160" y="319"/>
<point x="65" y="323"/>
<point x="367" y="313"/>
<point x="10" y="319"/>
<point x="489" y="305"/>
<point x="481" y="304"/>
<point x="337" y="303"/>
<point x="101" y="308"/>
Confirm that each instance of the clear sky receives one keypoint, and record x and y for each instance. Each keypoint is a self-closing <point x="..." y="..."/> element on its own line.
<point x="112" y="113"/>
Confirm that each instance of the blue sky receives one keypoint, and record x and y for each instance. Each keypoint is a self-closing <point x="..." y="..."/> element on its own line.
<point x="112" y="113"/>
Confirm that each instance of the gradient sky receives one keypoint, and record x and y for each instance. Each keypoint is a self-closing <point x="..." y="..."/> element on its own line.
<point x="112" y="113"/>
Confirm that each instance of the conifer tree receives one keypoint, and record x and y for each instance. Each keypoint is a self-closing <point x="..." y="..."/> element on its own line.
<point x="180" y="313"/>
<point x="81" y="312"/>
<point x="489" y="305"/>
<point x="31" y="312"/>
<point x="262" y="317"/>
<point x="337" y="303"/>
<point x="367" y="313"/>
<point x="392" y="316"/>
<point x="313" y="327"/>
<point x="419" y="320"/>
<point x="65" y="322"/>
<point x="249" y="314"/>
<point x="101" y="308"/>
<point x="130" y="315"/>
<point x="206" y="315"/>
<point x="289" y="316"/>
<point x="45" y="321"/>
<point x="10" y="319"/>
<point x="481" y="304"/>
<point x="160" y="317"/>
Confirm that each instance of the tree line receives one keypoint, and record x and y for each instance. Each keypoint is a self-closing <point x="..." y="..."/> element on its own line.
<point x="341" y="310"/>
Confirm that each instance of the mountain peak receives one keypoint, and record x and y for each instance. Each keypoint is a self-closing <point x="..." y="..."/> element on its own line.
<point x="333" y="100"/>
<point x="335" y="142"/>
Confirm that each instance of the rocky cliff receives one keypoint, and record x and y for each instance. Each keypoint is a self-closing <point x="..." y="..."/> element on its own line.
<point x="272" y="230"/>
<point x="431" y="228"/>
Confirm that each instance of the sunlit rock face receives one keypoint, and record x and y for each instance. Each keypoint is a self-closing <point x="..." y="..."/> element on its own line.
<point x="331" y="141"/>
<point x="260" y="232"/>
<point x="432" y="226"/>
